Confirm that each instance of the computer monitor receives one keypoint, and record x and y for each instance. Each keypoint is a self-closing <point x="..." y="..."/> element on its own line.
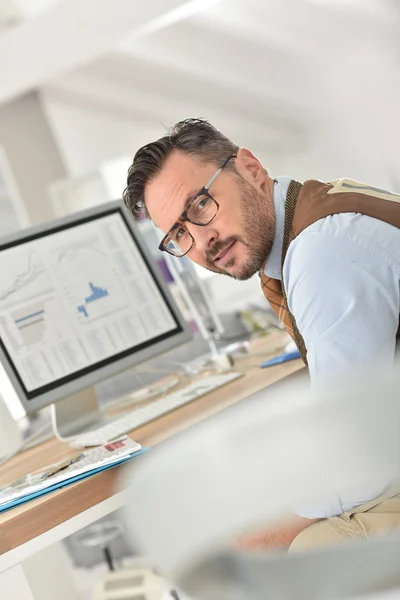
<point x="80" y="300"/>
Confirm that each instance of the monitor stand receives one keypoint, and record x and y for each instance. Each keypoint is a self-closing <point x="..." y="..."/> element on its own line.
<point x="77" y="414"/>
<point x="80" y="412"/>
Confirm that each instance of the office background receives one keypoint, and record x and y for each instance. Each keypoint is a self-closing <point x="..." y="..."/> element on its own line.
<point x="310" y="86"/>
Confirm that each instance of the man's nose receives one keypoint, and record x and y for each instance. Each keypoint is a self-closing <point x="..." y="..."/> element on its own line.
<point x="204" y="236"/>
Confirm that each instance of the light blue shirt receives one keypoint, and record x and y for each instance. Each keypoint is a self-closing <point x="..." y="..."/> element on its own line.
<point x="342" y="281"/>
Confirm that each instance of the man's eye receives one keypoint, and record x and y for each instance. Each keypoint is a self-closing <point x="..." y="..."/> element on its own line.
<point x="202" y="203"/>
<point x="180" y="233"/>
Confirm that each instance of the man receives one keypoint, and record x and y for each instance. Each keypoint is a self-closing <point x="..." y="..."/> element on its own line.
<point x="329" y="260"/>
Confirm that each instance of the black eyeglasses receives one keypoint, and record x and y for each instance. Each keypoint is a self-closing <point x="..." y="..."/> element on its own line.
<point x="201" y="210"/>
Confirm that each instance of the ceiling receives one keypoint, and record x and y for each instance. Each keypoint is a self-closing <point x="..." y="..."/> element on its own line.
<point x="15" y="11"/>
<point x="306" y="78"/>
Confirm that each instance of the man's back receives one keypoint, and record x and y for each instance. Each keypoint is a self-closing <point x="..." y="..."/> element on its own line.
<point x="350" y="263"/>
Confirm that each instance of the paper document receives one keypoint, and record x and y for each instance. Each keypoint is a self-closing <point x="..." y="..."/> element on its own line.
<point x="61" y="472"/>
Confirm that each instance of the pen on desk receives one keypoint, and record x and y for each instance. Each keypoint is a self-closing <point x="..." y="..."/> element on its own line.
<point x="51" y="470"/>
<point x="281" y="359"/>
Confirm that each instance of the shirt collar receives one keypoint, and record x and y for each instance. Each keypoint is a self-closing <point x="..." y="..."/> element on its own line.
<point x="273" y="264"/>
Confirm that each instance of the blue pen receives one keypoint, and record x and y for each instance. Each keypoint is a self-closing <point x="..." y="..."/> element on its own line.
<point x="281" y="359"/>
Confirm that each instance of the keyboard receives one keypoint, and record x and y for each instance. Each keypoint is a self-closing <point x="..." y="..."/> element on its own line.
<point x="149" y="412"/>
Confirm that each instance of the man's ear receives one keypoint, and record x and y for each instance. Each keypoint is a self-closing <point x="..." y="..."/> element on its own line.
<point x="250" y="167"/>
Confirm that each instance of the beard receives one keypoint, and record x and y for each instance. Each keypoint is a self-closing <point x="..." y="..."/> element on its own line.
<point x="258" y="218"/>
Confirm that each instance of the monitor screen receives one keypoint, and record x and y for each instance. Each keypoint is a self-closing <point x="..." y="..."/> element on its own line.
<point x="76" y="297"/>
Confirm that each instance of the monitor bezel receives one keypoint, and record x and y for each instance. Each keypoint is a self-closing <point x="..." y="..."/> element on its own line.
<point x="90" y="376"/>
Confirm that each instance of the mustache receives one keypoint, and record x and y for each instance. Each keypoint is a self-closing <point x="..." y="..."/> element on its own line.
<point x="213" y="252"/>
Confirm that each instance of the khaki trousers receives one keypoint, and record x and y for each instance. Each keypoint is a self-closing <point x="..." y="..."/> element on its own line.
<point x="374" y="518"/>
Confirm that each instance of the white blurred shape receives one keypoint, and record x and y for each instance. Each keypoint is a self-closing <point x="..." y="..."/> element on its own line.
<point x="10" y="434"/>
<point x="9" y="396"/>
<point x="253" y="462"/>
<point x="180" y="13"/>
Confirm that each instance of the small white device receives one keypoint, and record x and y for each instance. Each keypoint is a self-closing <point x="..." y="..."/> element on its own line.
<point x="131" y="584"/>
<point x="10" y="434"/>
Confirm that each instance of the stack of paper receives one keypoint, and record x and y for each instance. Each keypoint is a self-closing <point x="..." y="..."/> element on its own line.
<point x="64" y="473"/>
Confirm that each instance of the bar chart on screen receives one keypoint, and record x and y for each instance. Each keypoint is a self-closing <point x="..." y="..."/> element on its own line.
<point x="68" y="301"/>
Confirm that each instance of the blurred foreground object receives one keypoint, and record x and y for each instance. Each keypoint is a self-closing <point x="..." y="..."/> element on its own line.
<point x="362" y="569"/>
<point x="252" y="463"/>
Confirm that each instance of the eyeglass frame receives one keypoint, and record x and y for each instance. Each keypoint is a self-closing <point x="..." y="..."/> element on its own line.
<point x="183" y="218"/>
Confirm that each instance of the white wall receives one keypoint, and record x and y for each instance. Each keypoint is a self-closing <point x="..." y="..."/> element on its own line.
<point x="31" y="153"/>
<point x="33" y="163"/>
<point x="87" y="135"/>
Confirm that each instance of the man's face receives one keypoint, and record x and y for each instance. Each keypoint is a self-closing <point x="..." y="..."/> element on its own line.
<point x="239" y="239"/>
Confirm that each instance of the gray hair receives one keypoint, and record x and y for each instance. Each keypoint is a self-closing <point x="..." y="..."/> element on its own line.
<point x="195" y="137"/>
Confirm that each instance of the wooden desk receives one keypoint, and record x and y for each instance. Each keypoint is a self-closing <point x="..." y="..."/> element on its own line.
<point x="46" y="518"/>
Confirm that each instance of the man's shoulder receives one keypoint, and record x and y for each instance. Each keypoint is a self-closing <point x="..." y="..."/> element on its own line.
<point x="347" y="185"/>
<point x="329" y="240"/>
<point x="343" y="184"/>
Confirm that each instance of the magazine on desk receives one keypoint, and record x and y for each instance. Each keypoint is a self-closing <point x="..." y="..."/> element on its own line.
<point x="79" y="466"/>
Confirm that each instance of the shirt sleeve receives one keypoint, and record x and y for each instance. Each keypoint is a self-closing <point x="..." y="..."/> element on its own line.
<point x="345" y="298"/>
